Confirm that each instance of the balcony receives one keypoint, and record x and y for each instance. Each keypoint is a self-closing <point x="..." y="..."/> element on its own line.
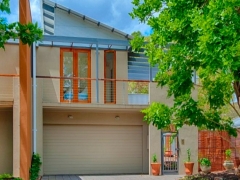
<point x="85" y="91"/>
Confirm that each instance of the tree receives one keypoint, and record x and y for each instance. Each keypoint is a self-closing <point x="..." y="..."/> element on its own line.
<point x="27" y="33"/>
<point x="191" y="36"/>
<point x="138" y="87"/>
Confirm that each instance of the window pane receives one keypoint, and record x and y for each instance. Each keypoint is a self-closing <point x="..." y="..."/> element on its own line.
<point x="68" y="72"/>
<point x="109" y="74"/>
<point x="83" y="73"/>
<point x="109" y="65"/>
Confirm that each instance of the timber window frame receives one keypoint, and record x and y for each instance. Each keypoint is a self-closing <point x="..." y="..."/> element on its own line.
<point x="110" y="82"/>
<point x="73" y="87"/>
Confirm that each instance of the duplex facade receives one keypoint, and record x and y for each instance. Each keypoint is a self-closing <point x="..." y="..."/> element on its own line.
<point x="87" y="92"/>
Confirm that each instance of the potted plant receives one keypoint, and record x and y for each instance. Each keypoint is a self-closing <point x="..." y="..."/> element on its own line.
<point x="168" y="153"/>
<point x="188" y="164"/>
<point x="8" y="177"/>
<point x="155" y="166"/>
<point x="205" y="165"/>
<point x="228" y="163"/>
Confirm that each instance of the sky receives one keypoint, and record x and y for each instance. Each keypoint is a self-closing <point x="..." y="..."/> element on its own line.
<point x="114" y="13"/>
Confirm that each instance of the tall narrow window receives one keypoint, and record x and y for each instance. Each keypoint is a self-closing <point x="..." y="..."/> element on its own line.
<point x="110" y="76"/>
<point x="75" y="68"/>
<point x="67" y="71"/>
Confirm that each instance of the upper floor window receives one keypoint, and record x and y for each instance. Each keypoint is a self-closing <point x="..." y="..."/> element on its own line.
<point x="110" y="76"/>
<point x="75" y="68"/>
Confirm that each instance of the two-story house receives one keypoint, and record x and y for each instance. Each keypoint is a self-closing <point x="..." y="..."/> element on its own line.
<point x="88" y="90"/>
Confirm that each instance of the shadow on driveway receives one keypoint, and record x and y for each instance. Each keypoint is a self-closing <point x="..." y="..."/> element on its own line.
<point x="112" y="177"/>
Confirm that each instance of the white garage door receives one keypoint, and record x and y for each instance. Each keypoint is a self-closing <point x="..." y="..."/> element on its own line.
<point x="80" y="149"/>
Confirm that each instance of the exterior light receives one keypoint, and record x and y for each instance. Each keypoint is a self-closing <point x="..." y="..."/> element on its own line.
<point x="70" y="116"/>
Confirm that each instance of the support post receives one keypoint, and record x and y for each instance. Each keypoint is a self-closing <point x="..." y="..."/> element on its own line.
<point x="34" y="99"/>
<point x="25" y="95"/>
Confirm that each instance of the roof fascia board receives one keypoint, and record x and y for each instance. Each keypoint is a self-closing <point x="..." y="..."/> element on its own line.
<point x="83" y="47"/>
<point x="85" y="40"/>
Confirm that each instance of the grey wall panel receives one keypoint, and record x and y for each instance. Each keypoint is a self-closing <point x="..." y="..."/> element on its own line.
<point x="69" y="24"/>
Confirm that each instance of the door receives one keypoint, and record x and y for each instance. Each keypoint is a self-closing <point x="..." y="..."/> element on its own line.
<point x="6" y="141"/>
<point x="170" y="153"/>
<point x="92" y="149"/>
<point x="75" y="70"/>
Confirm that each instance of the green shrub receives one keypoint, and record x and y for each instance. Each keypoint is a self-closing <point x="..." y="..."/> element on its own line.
<point x="5" y="176"/>
<point x="188" y="155"/>
<point x="154" y="158"/>
<point x="228" y="154"/>
<point x="35" y="167"/>
<point x="205" y="162"/>
<point x="8" y="176"/>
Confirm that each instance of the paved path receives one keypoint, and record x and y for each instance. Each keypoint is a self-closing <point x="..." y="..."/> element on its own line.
<point x="112" y="177"/>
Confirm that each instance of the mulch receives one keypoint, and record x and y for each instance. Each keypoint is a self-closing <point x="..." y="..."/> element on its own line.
<point x="213" y="176"/>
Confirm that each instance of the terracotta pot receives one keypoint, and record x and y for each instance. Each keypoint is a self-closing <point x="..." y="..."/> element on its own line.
<point x="205" y="169"/>
<point x="155" y="168"/>
<point x="168" y="153"/>
<point x="188" y="168"/>
<point x="228" y="165"/>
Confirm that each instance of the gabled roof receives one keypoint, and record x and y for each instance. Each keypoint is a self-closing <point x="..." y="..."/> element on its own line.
<point x="48" y="15"/>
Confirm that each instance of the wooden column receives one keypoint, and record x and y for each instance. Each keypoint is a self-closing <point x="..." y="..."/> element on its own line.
<point x="25" y="95"/>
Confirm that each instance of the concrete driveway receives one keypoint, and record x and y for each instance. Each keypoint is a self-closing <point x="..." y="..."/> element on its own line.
<point x="112" y="177"/>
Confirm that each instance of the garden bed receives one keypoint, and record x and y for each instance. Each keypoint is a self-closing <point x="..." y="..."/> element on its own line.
<point x="213" y="176"/>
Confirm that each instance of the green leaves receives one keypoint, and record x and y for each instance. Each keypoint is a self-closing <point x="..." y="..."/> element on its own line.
<point x="35" y="167"/>
<point x="8" y="176"/>
<point x="137" y="42"/>
<point x="144" y="10"/>
<point x="158" y="114"/>
<point x="188" y="155"/>
<point x="4" y="6"/>
<point x="205" y="162"/>
<point x="188" y="36"/>
<point x="27" y="33"/>
<point x="154" y="158"/>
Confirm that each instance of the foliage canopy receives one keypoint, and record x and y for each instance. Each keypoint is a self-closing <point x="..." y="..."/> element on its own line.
<point x="201" y="36"/>
<point x="27" y="33"/>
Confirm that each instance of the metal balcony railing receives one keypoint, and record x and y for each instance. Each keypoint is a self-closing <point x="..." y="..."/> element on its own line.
<point x="101" y="91"/>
